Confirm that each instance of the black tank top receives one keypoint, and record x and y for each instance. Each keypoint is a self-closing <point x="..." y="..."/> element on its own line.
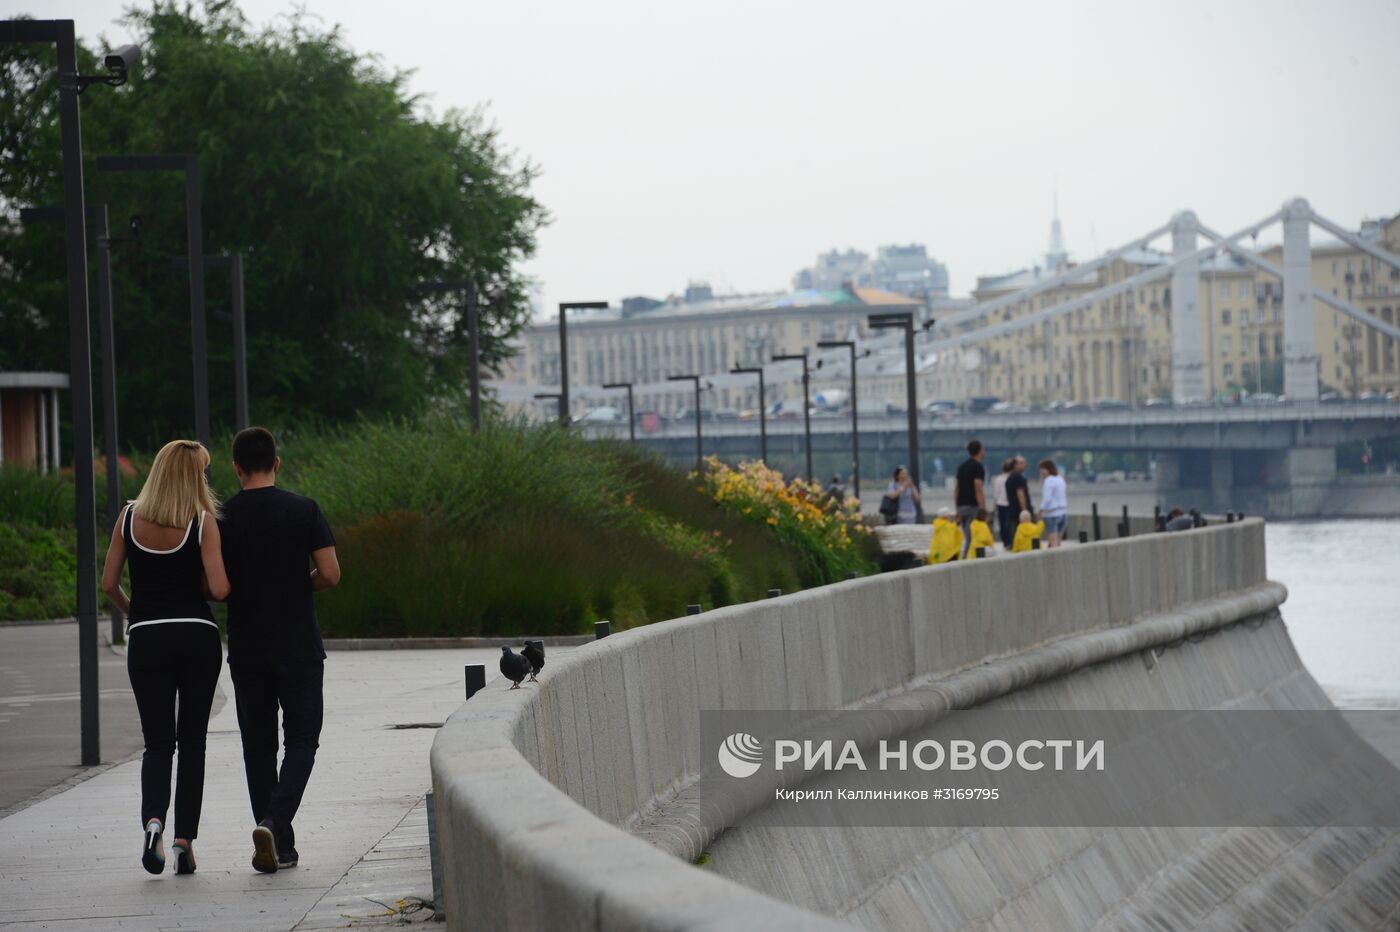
<point x="166" y="585"/>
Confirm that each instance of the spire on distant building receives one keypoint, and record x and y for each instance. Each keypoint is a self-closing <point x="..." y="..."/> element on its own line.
<point x="1056" y="257"/>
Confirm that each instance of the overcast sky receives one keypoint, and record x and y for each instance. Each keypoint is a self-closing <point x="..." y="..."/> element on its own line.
<point x="733" y="141"/>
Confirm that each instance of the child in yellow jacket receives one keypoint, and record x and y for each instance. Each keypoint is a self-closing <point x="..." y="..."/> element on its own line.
<point x="980" y="535"/>
<point x="947" y="538"/>
<point x="1026" y="532"/>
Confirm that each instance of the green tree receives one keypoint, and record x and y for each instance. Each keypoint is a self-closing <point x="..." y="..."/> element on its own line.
<point x="341" y="189"/>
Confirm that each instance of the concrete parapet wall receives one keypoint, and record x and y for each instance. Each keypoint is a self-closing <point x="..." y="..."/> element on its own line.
<point x="537" y="789"/>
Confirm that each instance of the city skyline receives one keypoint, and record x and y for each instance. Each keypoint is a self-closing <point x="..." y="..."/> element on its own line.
<point x="713" y="146"/>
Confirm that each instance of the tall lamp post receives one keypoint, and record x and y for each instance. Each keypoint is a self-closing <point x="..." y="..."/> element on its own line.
<point x="699" y="443"/>
<point x="234" y="263"/>
<point x="194" y="234"/>
<point x="904" y="320"/>
<point x="555" y="397"/>
<point x="470" y="304"/>
<point x="98" y="213"/>
<point x="762" y="409"/>
<point x="806" y="406"/>
<point x="60" y="33"/>
<point x="631" y="409"/>
<point x="564" y="308"/>
<point x="855" y="413"/>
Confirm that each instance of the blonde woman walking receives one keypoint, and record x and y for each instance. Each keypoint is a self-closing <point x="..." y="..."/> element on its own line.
<point x="170" y="540"/>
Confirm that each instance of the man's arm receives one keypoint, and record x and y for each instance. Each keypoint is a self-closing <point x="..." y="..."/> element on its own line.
<point x="981" y="494"/>
<point x="327" y="569"/>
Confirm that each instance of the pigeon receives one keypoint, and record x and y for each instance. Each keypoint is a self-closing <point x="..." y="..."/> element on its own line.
<point x="533" y="651"/>
<point x="513" y="666"/>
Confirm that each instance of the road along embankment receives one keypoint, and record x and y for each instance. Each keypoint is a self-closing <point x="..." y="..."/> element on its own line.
<point x="572" y="805"/>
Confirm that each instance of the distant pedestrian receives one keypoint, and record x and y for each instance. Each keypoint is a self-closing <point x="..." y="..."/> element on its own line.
<point x="1178" y="520"/>
<point x="280" y="551"/>
<point x="1054" y="506"/>
<point x="980" y="536"/>
<point x="169" y="539"/>
<point x="968" y="494"/>
<point x="836" y="490"/>
<point x="946" y="544"/>
<point x="1027" y="531"/>
<point x="902" y="502"/>
<point x="1006" y="526"/>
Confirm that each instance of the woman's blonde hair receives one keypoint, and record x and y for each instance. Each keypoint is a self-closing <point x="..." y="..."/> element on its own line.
<point x="177" y="490"/>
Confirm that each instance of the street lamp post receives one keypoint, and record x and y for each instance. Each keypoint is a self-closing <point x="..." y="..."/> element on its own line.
<point x="234" y="263"/>
<point x="194" y="235"/>
<point x="558" y="398"/>
<point x="855" y="413"/>
<point x="631" y="409"/>
<point x="762" y="409"/>
<point x="98" y="214"/>
<point x="471" y="302"/>
<point x="699" y="443"/>
<point x="564" y="308"/>
<point x="61" y="33"/>
<point x="806" y="406"/>
<point x="904" y="320"/>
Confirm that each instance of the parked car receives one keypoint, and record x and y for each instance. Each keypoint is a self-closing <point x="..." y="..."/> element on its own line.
<point x="603" y="414"/>
<point x="1111" y="404"/>
<point x="1331" y="398"/>
<point x="1157" y="403"/>
<point x="979" y="403"/>
<point x="1262" y="399"/>
<point x="941" y="408"/>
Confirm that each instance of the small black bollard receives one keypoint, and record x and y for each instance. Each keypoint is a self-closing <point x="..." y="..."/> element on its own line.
<point x="1122" y="529"/>
<point x="601" y="629"/>
<point x="1229" y="517"/>
<point x="694" y="609"/>
<point x="1157" y="516"/>
<point x="1083" y="537"/>
<point x="476" y="678"/>
<point x="981" y="552"/>
<point x="1125" y="520"/>
<point x="1239" y="516"/>
<point x="772" y="594"/>
<point x="1098" y="529"/>
<point x="1035" y="544"/>
<point x="852" y="575"/>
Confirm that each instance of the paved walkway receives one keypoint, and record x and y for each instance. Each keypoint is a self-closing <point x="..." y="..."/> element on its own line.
<point x="71" y="861"/>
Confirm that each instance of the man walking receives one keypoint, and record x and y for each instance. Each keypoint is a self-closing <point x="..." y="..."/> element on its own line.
<point x="969" y="495"/>
<point x="278" y="550"/>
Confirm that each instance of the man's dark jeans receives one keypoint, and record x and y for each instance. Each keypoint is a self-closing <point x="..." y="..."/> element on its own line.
<point x="259" y="689"/>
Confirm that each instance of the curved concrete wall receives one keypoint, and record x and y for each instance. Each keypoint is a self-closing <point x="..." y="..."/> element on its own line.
<point x="564" y="807"/>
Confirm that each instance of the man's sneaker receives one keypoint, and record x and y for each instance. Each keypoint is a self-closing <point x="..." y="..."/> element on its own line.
<point x="265" y="848"/>
<point x="286" y="859"/>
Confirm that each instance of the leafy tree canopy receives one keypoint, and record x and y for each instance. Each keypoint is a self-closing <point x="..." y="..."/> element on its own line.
<point x="339" y="187"/>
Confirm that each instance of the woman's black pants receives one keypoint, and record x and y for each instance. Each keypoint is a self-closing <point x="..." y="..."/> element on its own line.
<point x="174" y="668"/>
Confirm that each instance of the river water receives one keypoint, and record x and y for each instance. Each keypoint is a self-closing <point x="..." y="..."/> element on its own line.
<point x="1343" y="608"/>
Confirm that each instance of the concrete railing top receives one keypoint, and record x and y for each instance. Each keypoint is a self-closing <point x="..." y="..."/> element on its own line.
<point x="535" y="789"/>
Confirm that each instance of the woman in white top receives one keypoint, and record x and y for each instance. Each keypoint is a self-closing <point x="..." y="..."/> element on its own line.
<point x="1054" y="507"/>
<point x="901" y="489"/>
<point x="169" y="540"/>
<point x="1006" y="526"/>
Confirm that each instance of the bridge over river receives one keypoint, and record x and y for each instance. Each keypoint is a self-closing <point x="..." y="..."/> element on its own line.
<point x="1275" y="460"/>
<point x="579" y="804"/>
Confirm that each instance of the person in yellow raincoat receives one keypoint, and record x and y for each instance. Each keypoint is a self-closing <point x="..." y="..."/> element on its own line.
<point x="947" y="538"/>
<point x="1026" y="532"/>
<point x="981" y="533"/>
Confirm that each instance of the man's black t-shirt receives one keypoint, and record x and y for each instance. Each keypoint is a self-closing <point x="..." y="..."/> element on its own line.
<point x="268" y="536"/>
<point x="1016" y="482"/>
<point x="968" y="472"/>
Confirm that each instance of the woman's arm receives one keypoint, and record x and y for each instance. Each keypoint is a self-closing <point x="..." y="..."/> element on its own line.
<point x="211" y="552"/>
<point x="112" y="569"/>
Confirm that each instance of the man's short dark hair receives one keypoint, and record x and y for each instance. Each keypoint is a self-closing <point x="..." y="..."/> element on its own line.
<point x="254" y="450"/>
<point x="974" y="448"/>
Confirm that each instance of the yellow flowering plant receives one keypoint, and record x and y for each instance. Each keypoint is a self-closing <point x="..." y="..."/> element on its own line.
<point x="829" y="536"/>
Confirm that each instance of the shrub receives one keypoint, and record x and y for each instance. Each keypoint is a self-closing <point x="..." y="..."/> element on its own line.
<point x="37" y="572"/>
